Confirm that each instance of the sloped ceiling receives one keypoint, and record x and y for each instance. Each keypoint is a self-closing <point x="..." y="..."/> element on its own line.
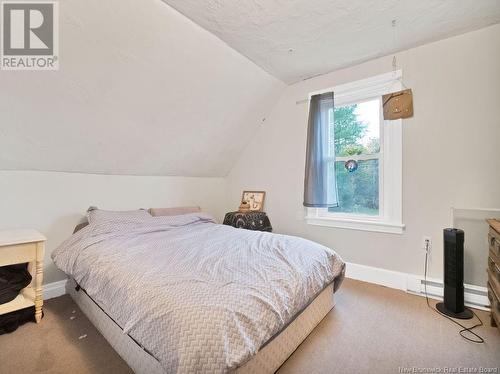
<point x="141" y="90"/>
<point x="298" y="39"/>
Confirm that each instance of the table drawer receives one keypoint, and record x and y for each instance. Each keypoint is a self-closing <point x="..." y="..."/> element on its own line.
<point x="494" y="302"/>
<point x="494" y="269"/>
<point x="494" y="281"/>
<point x="17" y="254"/>
<point x="494" y="241"/>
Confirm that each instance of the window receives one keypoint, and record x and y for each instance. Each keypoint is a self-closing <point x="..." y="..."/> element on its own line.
<point x="355" y="132"/>
<point x="369" y="194"/>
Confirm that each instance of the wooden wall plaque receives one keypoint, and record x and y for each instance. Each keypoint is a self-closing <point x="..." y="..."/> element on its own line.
<point x="398" y="105"/>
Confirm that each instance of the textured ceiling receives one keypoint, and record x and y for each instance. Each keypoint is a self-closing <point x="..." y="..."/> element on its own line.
<point x="298" y="39"/>
<point x="141" y="90"/>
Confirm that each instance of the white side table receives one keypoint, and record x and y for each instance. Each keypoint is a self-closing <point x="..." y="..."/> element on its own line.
<point x="20" y="246"/>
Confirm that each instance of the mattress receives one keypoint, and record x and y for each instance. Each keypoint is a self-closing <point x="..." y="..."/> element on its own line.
<point x="267" y="360"/>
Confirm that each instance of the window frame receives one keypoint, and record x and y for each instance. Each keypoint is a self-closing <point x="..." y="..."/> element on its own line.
<point x="389" y="219"/>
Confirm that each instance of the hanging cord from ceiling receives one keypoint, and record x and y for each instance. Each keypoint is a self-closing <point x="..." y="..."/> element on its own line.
<point x="394" y="47"/>
<point x="465" y="330"/>
<point x="394" y="60"/>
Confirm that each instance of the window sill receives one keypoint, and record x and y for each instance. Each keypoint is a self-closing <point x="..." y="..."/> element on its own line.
<point x="356" y="224"/>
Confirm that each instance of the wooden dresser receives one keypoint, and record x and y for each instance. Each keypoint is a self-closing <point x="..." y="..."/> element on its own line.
<point x="494" y="271"/>
<point x="17" y="247"/>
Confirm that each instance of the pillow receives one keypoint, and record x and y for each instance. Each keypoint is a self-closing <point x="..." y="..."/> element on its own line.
<point x="81" y="226"/>
<point x="176" y="211"/>
<point x="95" y="215"/>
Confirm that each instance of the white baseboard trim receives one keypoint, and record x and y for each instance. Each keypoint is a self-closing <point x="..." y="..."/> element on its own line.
<point x="54" y="289"/>
<point x="383" y="277"/>
<point x="475" y="296"/>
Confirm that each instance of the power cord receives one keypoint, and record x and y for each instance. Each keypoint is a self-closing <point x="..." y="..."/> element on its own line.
<point x="478" y="339"/>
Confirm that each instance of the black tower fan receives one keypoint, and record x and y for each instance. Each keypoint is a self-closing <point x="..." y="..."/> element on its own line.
<point x="453" y="304"/>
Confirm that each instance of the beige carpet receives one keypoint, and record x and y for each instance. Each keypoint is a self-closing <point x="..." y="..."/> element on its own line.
<point x="372" y="329"/>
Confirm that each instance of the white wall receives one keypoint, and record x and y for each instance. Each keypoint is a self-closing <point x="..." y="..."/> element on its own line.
<point x="451" y="151"/>
<point x="54" y="203"/>
<point x="141" y="90"/>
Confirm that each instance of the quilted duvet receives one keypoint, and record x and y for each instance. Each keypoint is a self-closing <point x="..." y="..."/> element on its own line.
<point x="198" y="296"/>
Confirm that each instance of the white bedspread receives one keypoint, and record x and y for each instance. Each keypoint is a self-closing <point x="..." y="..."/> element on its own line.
<point x="200" y="297"/>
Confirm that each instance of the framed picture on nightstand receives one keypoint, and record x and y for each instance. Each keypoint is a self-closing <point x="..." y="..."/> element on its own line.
<point x="255" y="200"/>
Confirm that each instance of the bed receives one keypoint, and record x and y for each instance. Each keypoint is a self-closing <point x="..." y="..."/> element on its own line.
<point x="182" y="294"/>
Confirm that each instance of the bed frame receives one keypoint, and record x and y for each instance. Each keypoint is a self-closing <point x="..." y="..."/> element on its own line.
<point x="267" y="360"/>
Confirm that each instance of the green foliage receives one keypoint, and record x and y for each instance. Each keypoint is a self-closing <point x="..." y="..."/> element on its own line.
<point x="348" y="131"/>
<point x="353" y="149"/>
<point x="358" y="191"/>
<point x="373" y="146"/>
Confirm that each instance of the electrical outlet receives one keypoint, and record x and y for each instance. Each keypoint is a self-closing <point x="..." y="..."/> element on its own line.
<point x="427" y="244"/>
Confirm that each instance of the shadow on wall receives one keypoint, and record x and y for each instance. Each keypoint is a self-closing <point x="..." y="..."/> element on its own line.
<point x="59" y="230"/>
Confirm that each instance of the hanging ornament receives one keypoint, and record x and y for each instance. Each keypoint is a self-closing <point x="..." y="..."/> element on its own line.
<point x="351" y="166"/>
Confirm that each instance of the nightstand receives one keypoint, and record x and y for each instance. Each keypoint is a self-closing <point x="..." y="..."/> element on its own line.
<point x="24" y="246"/>
<point x="248" y="220"/>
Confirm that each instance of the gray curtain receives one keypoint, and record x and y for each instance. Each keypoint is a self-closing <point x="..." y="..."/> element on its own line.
<point x="320" y="190"/>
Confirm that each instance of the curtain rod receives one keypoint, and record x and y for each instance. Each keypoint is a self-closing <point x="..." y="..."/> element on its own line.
<point x="384" y="78"/>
